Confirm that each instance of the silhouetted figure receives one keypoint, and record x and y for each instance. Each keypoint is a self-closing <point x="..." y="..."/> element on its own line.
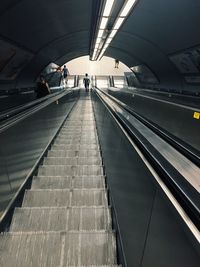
<point x="65" y="72"/>
<point x="86" y="81"/>
<point x="42" y="87"/>
<point x="116" y="63"/>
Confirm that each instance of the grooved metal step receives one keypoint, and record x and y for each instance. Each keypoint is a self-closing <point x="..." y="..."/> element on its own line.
<point x="72" y="161"/>
<point x="70" y="170"/>
<point x="61" y="219"/>
<point x="57" y="249"/>
<point x="81" y="142"/>
<point x="75" y="147"/>
<point x="65" y="219"/>
<point x="74" y="153"/>
<point x="76" y="137"/>
<point x="65" y="198"/>
<point x="62" y="182"/>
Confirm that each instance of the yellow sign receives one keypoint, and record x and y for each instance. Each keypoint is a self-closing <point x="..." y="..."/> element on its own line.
<point x="196" y="115"/>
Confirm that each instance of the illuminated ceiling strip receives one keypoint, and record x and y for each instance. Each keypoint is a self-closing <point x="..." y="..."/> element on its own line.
<point x="103" y="24"/>
<point x="108" y="8"/>
<point x="112" y="34"/>
<point x="98" y="41"/>
<point x="100" y="33"/>
<point x="118" y="23"/>
<point x="127" y="7"/>
<point x="104" y="20"/>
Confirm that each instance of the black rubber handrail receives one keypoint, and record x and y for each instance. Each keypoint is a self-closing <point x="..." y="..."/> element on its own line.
<point x="28" y="112"/>
<point x="185" y="194"/>
<point x="188" y="151"/>
<point x="16" y="110"/>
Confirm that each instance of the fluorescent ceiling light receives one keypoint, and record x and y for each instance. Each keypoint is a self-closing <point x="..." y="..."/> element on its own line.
<point x="102" y="52"/>
<point x="112" y="34"/>
<point x="100" y="33"/>
<point x="127" y="7"/>
<point x="108" y="40"/>
<point x="118" y="23"/>
<point x="98" y="40"/>
<point x="103" y="23"/>
<point x="105" y="46"/>
<point x="108" y="7"/>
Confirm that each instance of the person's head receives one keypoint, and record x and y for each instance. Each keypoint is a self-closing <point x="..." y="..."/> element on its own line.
<point x="42" y="79"/>
<point x="86" y="74"/>
<point x="64" y="66"/>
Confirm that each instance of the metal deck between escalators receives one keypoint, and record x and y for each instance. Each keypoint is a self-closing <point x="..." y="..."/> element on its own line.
<point x="65" y="219"/>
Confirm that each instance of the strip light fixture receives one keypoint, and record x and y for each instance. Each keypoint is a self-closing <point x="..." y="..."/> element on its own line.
<point x="124" y="12"/>
<point x="102" y="28"/>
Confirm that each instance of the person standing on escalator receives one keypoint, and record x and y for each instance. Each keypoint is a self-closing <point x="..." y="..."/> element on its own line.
<point x="86" y="81"/>
<point x="42" y="88"/>
<point x="65" y="73"/>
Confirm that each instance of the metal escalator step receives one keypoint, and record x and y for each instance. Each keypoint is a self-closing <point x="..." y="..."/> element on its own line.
<point x="61" y="182"/>
<point x="79" y="123"/>
<point x="70" y="170"/>
<point x="76" y="128"/>
<point x="61" y="219"/>
<point x="73" y="153"/>
<point x="89" y="182"/>
<point x="65" y="198"/>
<point x="67" y="137"/>
<point x="75" y="147"/>
<point x="51" y="182"/>
<point x="75" y="135"/>
<point x="57" y="249"/>
<point x="81" y="141"/>
<point x="72" y="161"/>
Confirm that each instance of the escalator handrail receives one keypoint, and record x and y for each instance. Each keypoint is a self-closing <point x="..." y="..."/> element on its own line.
<point x="188" y="151"/>
<point x="6" y="216"/>
<point x="16" y="110"/>
<point x="185" y="199"/>
<point x="31" y="110"/>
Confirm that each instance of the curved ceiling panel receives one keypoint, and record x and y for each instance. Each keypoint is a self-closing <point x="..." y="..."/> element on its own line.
<point x="44" y="31"/>
<point x="145" y="53"/>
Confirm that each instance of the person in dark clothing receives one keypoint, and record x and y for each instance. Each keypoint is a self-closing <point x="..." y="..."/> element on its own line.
<point x="65" y="71"/>
<point x="116" y="63"/>
<point x="42" y="88"/>
<point x="86" y="82"/>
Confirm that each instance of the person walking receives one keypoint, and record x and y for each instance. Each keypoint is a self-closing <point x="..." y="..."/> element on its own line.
<point x="65" y="73"/>
<point x="86" y="81"/>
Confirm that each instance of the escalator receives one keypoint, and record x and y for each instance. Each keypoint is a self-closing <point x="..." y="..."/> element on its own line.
<point x="96" y="198"/>
<point x="65" y="219"/>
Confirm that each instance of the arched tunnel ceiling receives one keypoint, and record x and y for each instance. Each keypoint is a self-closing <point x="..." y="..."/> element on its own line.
<point x="45" y="31"/>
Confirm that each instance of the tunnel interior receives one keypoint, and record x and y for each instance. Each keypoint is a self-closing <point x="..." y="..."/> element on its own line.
<point x="151" y="41"/>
